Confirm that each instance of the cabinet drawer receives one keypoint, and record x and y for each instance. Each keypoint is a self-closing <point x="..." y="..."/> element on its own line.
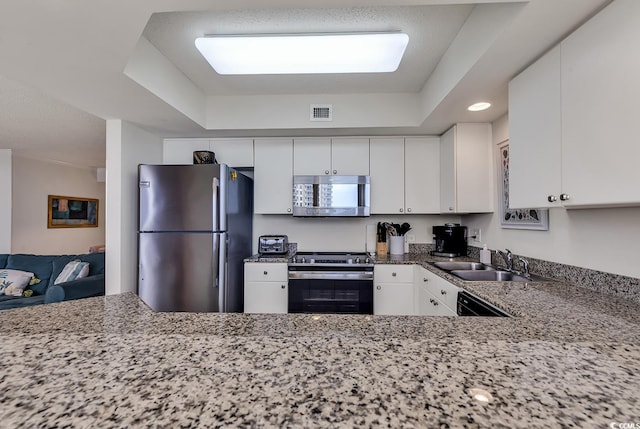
<point x="265" y="272"/>
<point x="393" y="273"/>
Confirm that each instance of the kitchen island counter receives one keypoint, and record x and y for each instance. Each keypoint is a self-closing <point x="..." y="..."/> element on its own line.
<point x="571" y="358"/>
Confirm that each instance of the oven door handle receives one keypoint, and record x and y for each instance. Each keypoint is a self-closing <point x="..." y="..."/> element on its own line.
<point x="330" y="275"/>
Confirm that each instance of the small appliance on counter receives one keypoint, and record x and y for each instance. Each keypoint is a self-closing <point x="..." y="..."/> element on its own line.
<point x="450" y="240"/>
<point x="273" y="245"/>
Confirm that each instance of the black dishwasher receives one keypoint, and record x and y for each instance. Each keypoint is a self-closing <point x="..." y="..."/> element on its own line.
<point x="471" y="305"/>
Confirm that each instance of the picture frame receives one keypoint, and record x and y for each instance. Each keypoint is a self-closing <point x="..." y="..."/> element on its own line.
<point x="72" y="212"/>
<point x="536" y="219"/>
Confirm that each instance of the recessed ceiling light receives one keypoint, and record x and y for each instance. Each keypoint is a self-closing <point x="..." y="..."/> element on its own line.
<point x="304" y="53"/>
<point x="483" y="105"/>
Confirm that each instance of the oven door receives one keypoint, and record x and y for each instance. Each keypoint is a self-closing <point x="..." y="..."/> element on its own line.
<point x="344" y="292"/>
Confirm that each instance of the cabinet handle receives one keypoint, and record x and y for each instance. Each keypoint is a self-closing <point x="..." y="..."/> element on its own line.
<point x="433" y="301"/>
<point x="450" y="209"/>
<point x="289" y="210"/>
<point x="443" y="292"/>
<point x="283" y="286"/>
<point x="552" y="198"/>
<point x="393" y="274"/>
<point x="335" y="171"/>
<point x="326" y="171"/>
<point x="564" y="197"/>
<point x="265" y="273"/>
<point x="409" y="210"/>
<point x="378" y="287"/>
<point x="425" y="279"/>
<point x="401" y="210"/>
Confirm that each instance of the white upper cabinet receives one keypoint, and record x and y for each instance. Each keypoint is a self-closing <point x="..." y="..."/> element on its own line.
<point x="233" y="152"/>
<point x="326" y="156"/>
<point x="350" y="156"/>
<point x="312" y="156"/>
<point x="572" y="118"/>
<point x="273" y="176"/>
<point x="422" y="175"/>
<point x="600" y="93"/>
<point x="466" y="169"/>
<point x="535" y="135"/>
<point x="387" y="175"/>
<point x="180" y="151"/>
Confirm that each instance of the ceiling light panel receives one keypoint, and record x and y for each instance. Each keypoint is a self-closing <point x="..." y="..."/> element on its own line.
<point x="303" y="54"/>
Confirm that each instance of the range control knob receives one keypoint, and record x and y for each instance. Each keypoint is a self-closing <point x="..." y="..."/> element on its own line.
<point x="367" y="261"/>
<point x="303" y="260"/>
<point x="357" y="259"/>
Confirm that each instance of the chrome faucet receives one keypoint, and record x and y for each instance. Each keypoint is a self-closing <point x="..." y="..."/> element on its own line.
<point x="525" y="267"/>
<point x="508" y="258"/>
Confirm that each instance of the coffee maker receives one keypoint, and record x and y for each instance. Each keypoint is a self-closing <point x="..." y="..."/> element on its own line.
<point x="450" y="240"/>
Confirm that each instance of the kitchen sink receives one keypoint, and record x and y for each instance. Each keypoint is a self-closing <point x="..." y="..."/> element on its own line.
<point x="489" y="276"/>
<point x="473" y="266"/>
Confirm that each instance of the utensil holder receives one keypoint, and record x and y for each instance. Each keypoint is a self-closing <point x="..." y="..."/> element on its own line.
<point x="396" y="245"/>
<point x="381" y="249"/>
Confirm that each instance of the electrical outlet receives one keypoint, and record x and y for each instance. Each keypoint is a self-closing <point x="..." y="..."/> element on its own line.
<point x="411" y="238"/>
<point x="476" y="234"/>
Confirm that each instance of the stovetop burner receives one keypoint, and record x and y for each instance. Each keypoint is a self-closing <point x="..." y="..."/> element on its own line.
<point x="331" y="258"/>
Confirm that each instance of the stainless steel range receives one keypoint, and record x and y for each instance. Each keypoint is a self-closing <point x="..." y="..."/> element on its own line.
<point x="331" y="282"/>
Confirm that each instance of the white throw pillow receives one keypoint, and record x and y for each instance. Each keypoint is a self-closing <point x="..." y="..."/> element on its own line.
<point x="74" y="270"/>
<point x="15" y="278"/>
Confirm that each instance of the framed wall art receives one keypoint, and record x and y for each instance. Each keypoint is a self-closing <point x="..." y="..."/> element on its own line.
<point x="72" y="212"/>
<point x="515" y="218"/>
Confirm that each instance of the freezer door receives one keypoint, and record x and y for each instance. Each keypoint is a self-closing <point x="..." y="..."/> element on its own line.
<point x="179" y="197"/>
<point x="178" y="271"/>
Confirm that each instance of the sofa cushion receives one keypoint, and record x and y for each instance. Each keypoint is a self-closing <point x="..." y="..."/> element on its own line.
<point x="13" y="282"/>
<point x="74" y="270"/>
<point x="3" y="260"/>
<point x="96" y="261"/>
<point x="40" y="265"/>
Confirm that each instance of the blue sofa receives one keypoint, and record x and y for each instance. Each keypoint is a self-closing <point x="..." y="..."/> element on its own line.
<point x="47" y="268"/>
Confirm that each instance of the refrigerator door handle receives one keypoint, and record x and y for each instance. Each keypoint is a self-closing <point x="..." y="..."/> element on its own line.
<point x="215" y="185"/>
<point x="220" y="266"/>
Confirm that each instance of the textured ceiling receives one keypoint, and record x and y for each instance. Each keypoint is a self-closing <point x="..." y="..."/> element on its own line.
<point x="34" y="124"/>
<point x="430" y="28"/>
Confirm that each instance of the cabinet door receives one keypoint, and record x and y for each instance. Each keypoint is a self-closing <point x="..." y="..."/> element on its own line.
<point x="535" y="135"/>
<point x="233" y="152"/>
<point x="180" y="151"/>
<point x="273" y="176"/>
<point x="312" y="156"/>
<point x="422" y="175"/>
<point x="600" y="92"/>
<point x="393" y="299"/>
<point x="265" y="297"/>
<point x="448" y="172"/>
<point x="387" y="175"/>
<point x="265" y="272"/>
<point x="474" y="168"/>
<point x="350" y="156"/>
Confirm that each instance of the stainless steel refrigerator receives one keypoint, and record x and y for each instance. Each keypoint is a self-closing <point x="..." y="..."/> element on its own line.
<point x="194" y="231"/>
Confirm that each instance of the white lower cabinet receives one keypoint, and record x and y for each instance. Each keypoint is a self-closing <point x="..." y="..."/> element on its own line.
<point x="393" y="290"/>
<point x="404" y="290"/>
<point x="265" y="287"/>
<point x="434" y="295"/>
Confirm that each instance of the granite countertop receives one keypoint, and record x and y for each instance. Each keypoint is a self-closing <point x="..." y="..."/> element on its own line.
<point x="571" y="358"/>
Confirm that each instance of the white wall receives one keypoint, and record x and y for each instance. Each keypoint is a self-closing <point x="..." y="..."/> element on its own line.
<point x="127" y="146"/>
<point x="606" y="239"/>
<point x="342" y="234"/>
<point x="33" y="181"/>
<point x="5" y="207"/>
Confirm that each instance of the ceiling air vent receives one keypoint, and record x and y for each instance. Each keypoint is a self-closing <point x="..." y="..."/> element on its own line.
<point x="321" y="112"/>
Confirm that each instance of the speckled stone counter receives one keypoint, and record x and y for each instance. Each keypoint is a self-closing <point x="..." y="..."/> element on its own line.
<point x="570" y="359"/>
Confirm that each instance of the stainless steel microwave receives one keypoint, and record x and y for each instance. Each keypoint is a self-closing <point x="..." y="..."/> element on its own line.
<point x="325" y="196"/>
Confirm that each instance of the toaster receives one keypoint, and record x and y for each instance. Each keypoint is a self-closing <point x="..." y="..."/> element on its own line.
<point x="273" y="245"/>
